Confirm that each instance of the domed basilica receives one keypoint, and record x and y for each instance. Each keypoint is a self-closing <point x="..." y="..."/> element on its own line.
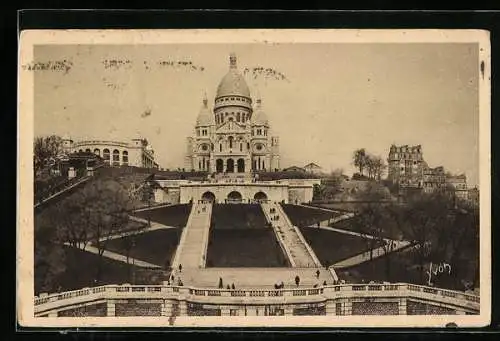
<point x="234" y="136"/>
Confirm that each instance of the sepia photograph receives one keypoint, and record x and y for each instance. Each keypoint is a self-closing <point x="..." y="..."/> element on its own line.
<point x="298" y="178"/>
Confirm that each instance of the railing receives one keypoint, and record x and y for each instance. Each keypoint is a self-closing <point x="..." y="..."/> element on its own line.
<point x="45" y="302"/>
<point x="309" y="250"/>
<point x="58" y="189"/>
<point x="284" y="247"/>
<point x="182" y="240"/>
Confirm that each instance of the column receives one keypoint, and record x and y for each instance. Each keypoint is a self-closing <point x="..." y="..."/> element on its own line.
<point x="330" y="307"/>
<point x="402" y="306"/>
<point x="212" y="168"/>
<point x="248" y="164"/>
<point x="182" y="308"/>
<point x="166" y="308"/>
<point x="268" y="163"/>
<point x="224" y="311"/>
<point x="110" y="308"/>
<point x="347" y="305"/>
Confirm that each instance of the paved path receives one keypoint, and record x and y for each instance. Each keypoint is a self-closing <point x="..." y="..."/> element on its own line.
<point x="299" y="250"/>
<point x="352" y="233"/>
<point x="343" y="216"/>
<point x="253" y="277"/>
<point x="192" y="248"/>
<point x="43" y="201"/>
<point x="365" y="256"/>
<point x="119" y="257"/>
<point x="154" y="226"/>
<point x="151" y="207"/>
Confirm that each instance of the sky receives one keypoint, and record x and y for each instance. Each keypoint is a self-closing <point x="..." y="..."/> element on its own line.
<point x="334" y="97"/>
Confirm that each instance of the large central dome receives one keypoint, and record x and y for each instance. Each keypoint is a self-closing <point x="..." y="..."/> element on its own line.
<point x="233" y="83"/>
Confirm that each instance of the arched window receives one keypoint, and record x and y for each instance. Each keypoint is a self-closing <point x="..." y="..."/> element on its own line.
<point x="116" y="157"/>
<point x="230" y="142"/>
<point x="87" y="150"/>
<point x="125" y="157"/>
<point x="238" y="117"/>
<point x="241" y="165"/>
<point x="219" y="165"/>
<point x="97" y="152"/>
<point x="220" y="147"/>
<point x="105" y="154"/>
<point x="241" y="146"/>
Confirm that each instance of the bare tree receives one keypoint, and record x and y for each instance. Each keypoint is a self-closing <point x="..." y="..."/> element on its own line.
<point x="379" y="166"/>
<point x="359" y="159"/>
<point x="91" y="214"/>
<point x="425" y="215"/>
<point x="49" y="257"/>
<point x="44" y="149"/>
<point x="106" y="203"/>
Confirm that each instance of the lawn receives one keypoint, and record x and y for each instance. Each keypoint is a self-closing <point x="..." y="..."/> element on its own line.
<point x="331" y="247"/>
<point x="156" y="247"/>
<point x="81" y="269"/>
<point x="238" y="216"/>
<point x="402" y="268"/>
<point x="175" y="215"/>
<point x="306" y="216"/>
<point x="351" y="225"/>
<point x="244" y="248"/>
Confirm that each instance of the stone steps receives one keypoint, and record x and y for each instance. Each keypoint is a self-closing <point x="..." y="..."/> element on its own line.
<point x="297" y="249"/>
<point x="192" y="252"/>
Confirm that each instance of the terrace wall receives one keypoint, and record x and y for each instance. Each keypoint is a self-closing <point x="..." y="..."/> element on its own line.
<point x="336" y="300"/>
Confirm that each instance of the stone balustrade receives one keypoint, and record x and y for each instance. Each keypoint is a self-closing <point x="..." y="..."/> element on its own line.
<point x="48" y="304"/>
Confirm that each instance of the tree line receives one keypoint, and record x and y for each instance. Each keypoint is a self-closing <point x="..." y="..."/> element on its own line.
<point x="45" y="150"/>
<point x="84" y="218"/>
<point x="369" y="165"/>
<point x="439" y="228"/>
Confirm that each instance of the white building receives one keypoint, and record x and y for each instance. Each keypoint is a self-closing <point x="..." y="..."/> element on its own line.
<point x="233" y="136"/>
<point x="138" y="152"/>
<point x="313" y="168"/>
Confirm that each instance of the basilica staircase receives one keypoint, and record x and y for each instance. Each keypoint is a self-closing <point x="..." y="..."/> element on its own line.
<point x="192" y="249"/>
<point x="294" y="244"/>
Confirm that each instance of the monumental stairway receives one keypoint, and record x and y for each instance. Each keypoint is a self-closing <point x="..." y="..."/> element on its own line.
<point x="192" y="249"/>
<point x="296" y="248"/>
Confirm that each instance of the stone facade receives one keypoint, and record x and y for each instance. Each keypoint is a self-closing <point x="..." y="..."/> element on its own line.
<point x="434" y="179"/>
<point x="233" y="136"/>
<point x="221" y="191"/>
<point x="459" y="184"/>
<point x="406" y="166"/>
<point x="137" y="152"/>
<point x="408" y="169"/>
<point x="473" y="196"/>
